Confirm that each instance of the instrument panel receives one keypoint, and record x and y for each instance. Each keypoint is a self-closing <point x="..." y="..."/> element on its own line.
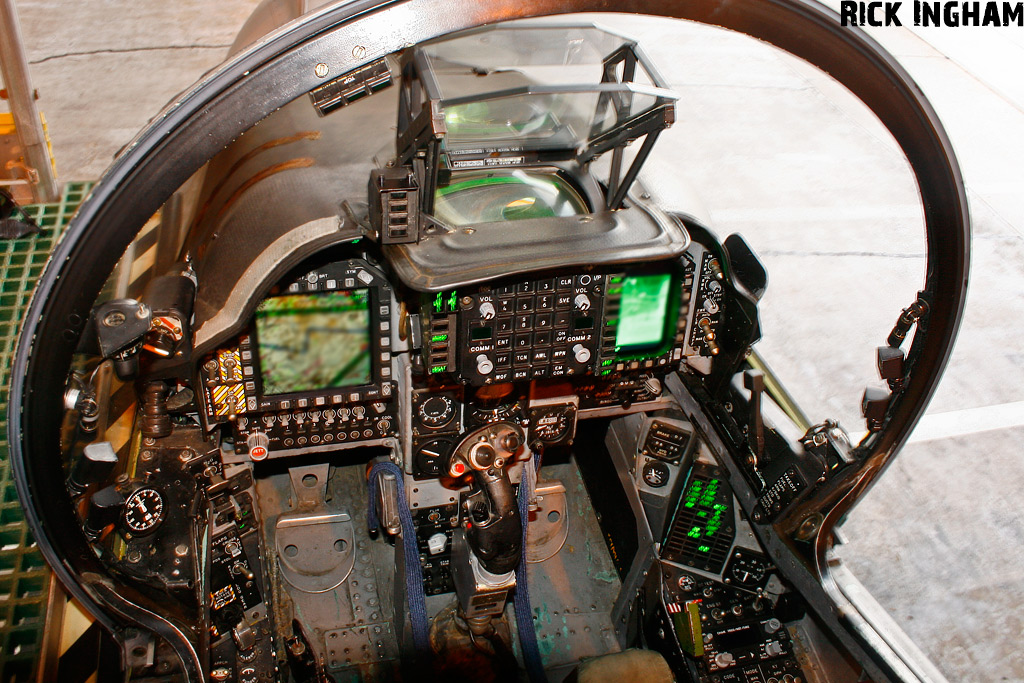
<point x="591" y="323"/>
<point x="315" y="367"/>
<point x="312" y="370"/>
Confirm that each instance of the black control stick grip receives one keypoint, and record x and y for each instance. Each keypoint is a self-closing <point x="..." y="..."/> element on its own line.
<point x="494" y="529"/>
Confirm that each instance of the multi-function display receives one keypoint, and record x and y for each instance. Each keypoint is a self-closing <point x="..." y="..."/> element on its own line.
<point x="309" y="342"/>
<point x="642" y="311"/>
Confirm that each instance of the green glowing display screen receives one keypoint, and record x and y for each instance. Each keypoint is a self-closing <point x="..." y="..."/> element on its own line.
<point x="703" y="528"/>
<point x="309" y="342"/>
<point x="643" y="308"/>
<point x="709" y="513"/>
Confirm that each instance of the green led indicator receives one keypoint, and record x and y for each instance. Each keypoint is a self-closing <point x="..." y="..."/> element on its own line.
<point x="606" y="363"/>
<point x="439" y="368"/>
<point x="438" y="303"/>
<point x="438" y="338"/>
<point x="453" y="301"/>
<point x="694" y="532"/>
<point x="606" y="372"/>
<point x="704" y="548"/>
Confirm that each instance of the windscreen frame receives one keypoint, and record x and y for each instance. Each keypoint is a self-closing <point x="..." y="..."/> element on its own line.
<point x="278" y="69"/>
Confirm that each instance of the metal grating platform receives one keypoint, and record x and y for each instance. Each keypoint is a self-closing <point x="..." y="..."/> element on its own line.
<point x="24" y="576"/>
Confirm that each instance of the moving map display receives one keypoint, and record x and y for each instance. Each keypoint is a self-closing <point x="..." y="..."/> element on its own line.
<point x="314" y="341"/>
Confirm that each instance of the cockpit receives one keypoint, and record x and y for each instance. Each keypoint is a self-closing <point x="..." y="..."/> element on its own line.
<point x="461" y="402"/>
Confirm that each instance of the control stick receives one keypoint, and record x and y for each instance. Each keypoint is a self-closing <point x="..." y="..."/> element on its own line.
<point x="494" y="532"/>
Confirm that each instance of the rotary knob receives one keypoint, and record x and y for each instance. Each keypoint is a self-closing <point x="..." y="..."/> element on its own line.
<point x="486" y="309"/>
<point x="259" y="445"/>
<point x="581" y="353"/>
<point x="484" y="365"/>
<point x="436" y="543"/>
<point x="724" y="660"/>
<point x="582" y="302"/>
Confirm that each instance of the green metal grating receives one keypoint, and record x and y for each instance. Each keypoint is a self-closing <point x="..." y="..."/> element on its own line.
<point x="24" y="577"/>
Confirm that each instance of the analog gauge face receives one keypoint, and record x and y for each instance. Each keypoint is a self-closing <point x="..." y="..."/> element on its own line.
<point x="144" y="511"/>
<point x="553" y="424"/>
<point x="436" y="411"/>
<point x="432" y="457"/>
<point x="507" y="412"/>
<point x="686" y="583"/>
<point x="747" y="570"/>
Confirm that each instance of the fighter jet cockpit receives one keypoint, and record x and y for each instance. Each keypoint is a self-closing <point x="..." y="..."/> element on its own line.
<point x="475" y="407"/>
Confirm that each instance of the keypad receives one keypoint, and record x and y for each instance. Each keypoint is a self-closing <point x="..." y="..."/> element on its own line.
<point x="536" y="325"/>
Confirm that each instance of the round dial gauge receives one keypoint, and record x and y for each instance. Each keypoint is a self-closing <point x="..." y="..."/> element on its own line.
<point x="553" y="425"/>
<point x="507" y="412"/>
<point x="432" y="457"/>
<point x="144" y="511"/>
<point x="748" y="570"/>
<point x="436" y="411"/>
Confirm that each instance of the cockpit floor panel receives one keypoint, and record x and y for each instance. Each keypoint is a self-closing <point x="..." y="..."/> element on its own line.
<point x="352" y="626"/>
<point x="572" y="592"/>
